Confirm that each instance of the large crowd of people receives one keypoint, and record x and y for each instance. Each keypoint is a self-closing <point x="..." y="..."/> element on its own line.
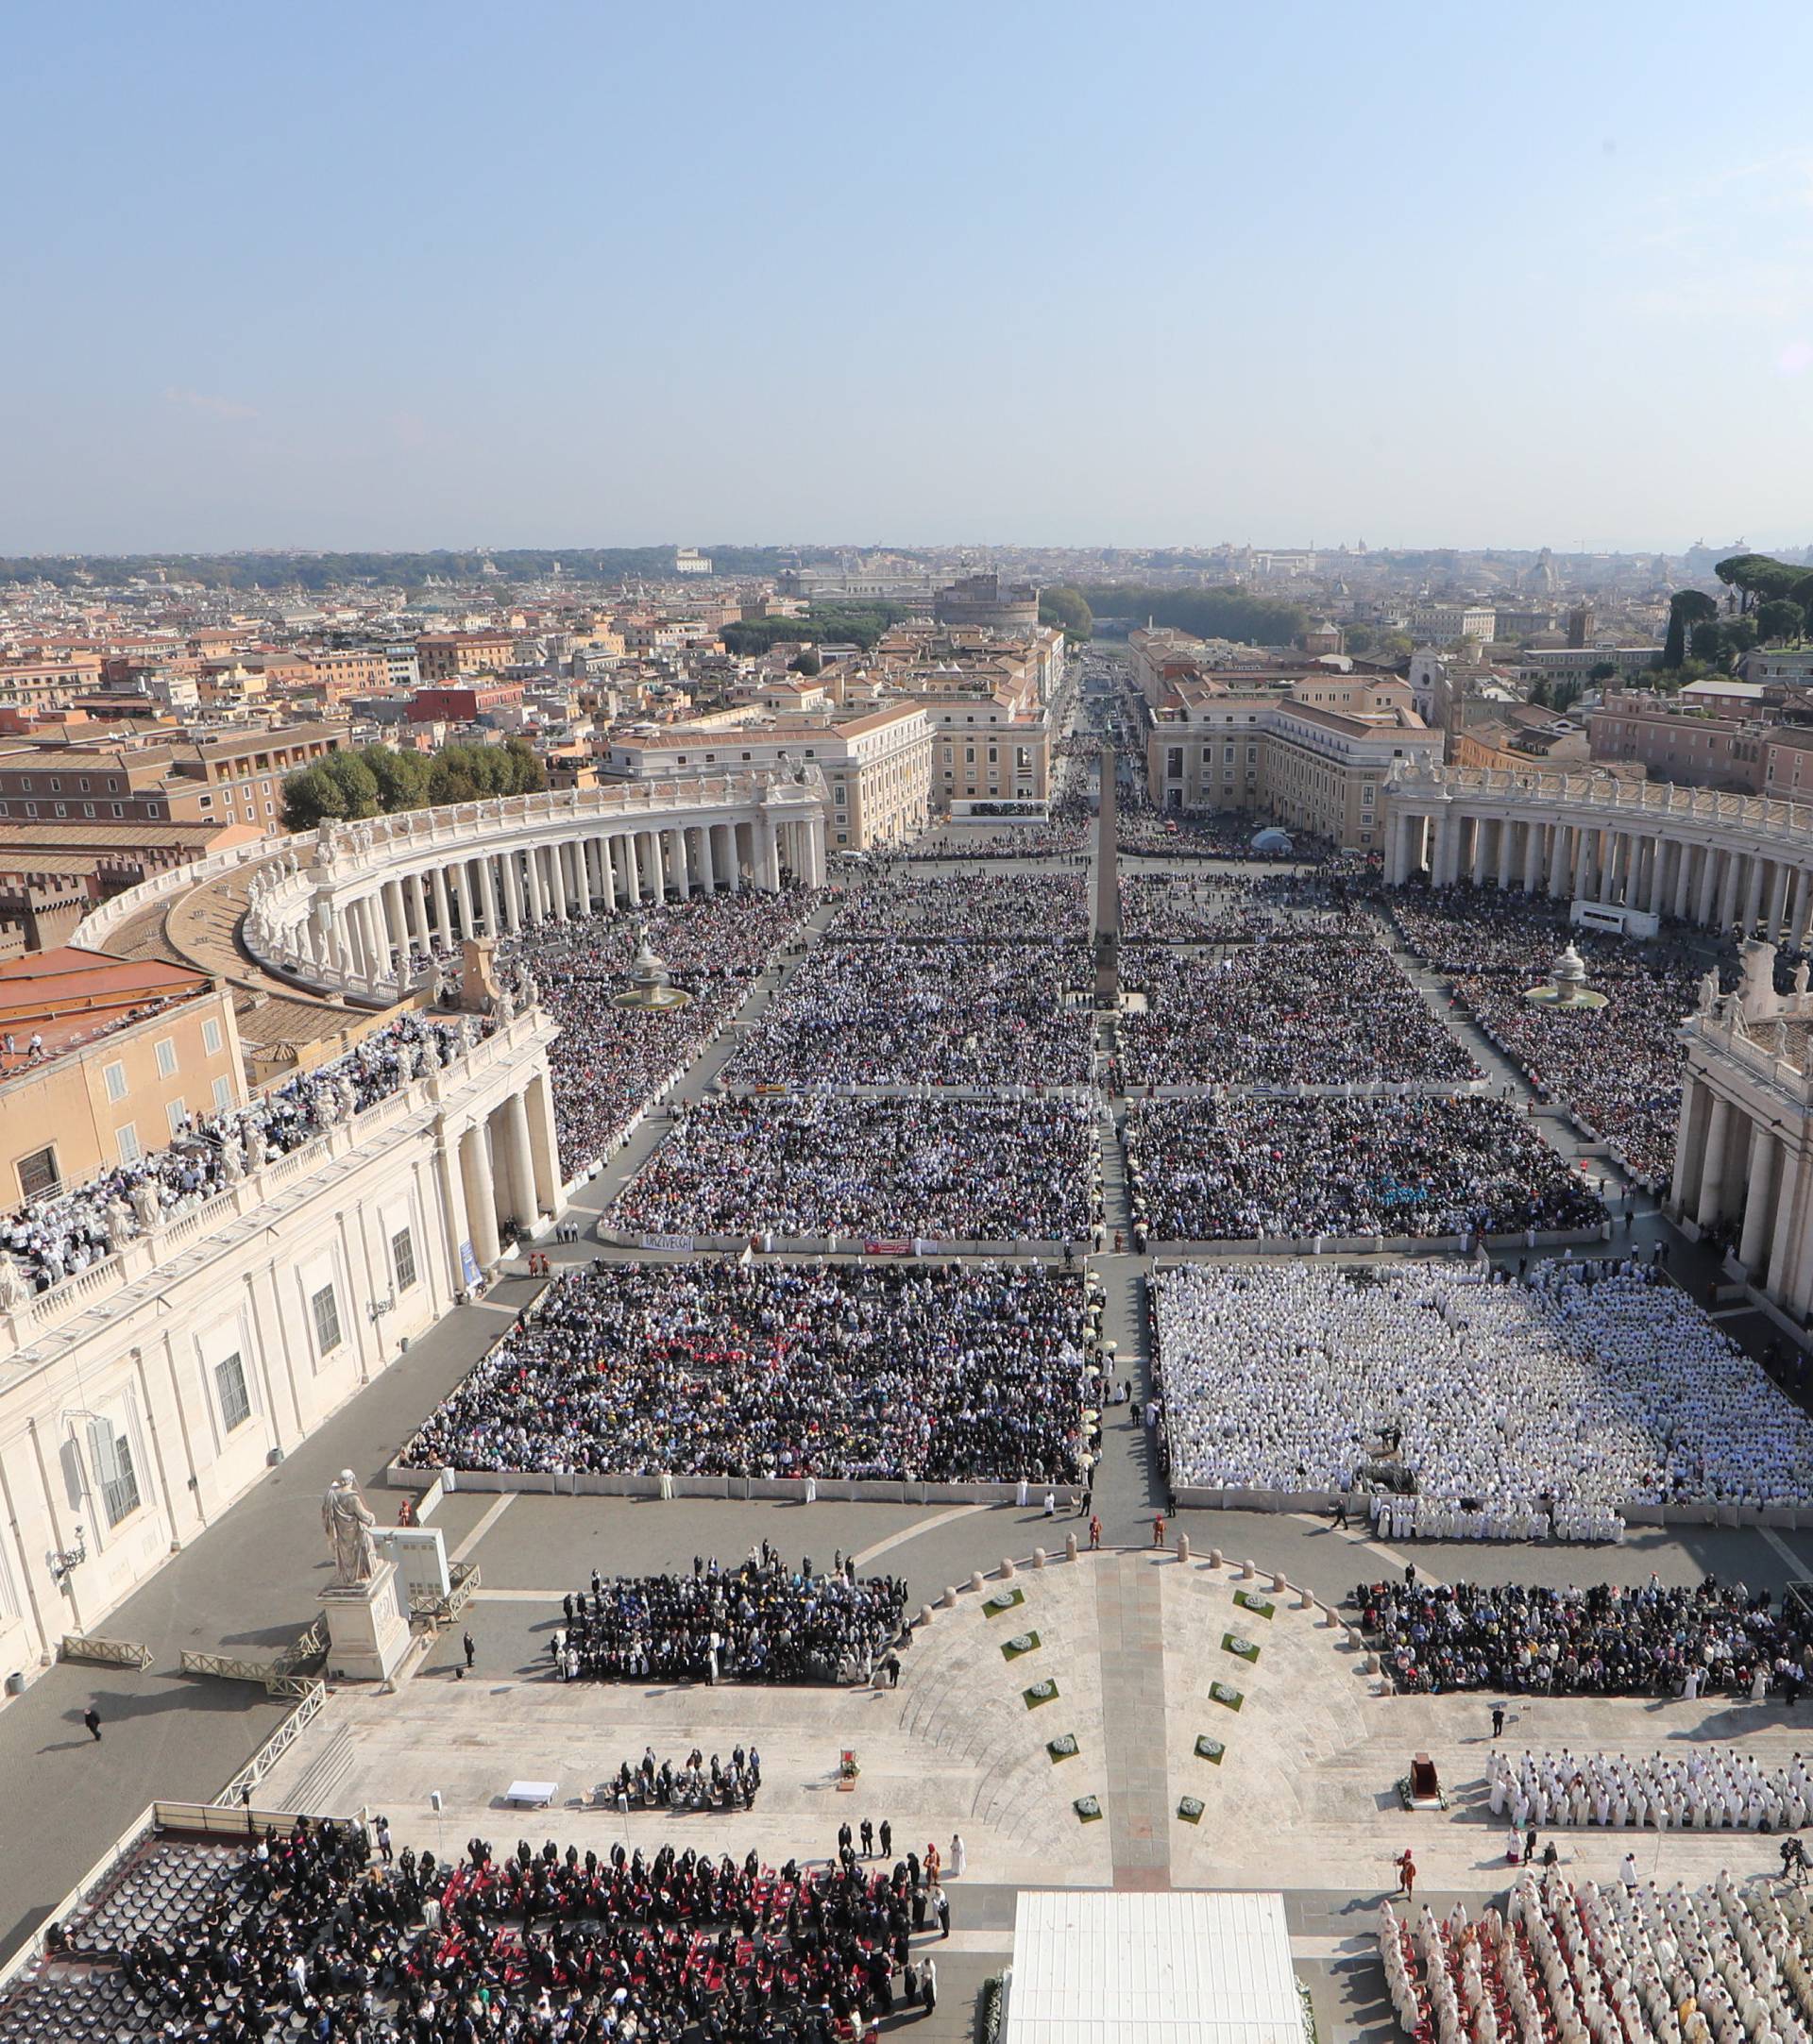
<point x="759" y="1622"/>
<point x="608" y="1061"/>
<point x="1594" y="1384"/>
<point x="1250" y="1168"/>
<point x="45" y="1240"/>
<point x="966" y="907"/>
<point x="946" y="1169"/>
<point x="1617" y="1069"/>
<point x="314" y="1933"/>
<point x="1659" y="1640"/>
<point x="942" y="1372"/>
<point x="1307" y="1009"/>
<point x="906" y="1014"/>
<point x="1704" y="1788"/>
<point x="1628" y="1961"/>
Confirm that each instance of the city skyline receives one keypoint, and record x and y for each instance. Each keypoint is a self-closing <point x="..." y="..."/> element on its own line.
<point x="570" y="279"/>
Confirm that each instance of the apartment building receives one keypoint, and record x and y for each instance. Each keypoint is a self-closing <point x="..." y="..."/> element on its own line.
<point x="1313" y="754"/>
<point x="49" y="682"/>
<point x="229" y="776"/>
<point x="1718" y="741"/>
<point x="452" y="657"/>
<point x="877" y="766"/>
<point x="985" y="746"/>
<point x="109" y="1057"/>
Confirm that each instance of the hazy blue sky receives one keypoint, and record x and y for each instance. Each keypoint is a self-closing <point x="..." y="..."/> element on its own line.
<point x="390" y="274"/>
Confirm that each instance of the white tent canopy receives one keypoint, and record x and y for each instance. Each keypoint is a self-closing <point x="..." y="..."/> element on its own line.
<point x="1095" y="1968"/>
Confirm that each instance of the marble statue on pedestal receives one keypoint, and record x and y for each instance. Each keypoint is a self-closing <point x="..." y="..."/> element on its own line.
<point x="347" y="1521"/>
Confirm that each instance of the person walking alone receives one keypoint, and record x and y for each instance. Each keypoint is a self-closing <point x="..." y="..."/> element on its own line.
<point x="91" y="1718"/>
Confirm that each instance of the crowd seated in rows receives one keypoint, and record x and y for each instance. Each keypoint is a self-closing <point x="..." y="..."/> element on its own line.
<point x="1249" y="1168"/>
<point x="969" y="907"/>
<point x="1629" y="1961"/>
<point x="1303" y="1008"/>
<point x="889" y="1169"/>
<point x="1590" y="1384"/>
<point x="692" y="1785"/>
<point x="942" y="1372"/>
<point x="1659" y="1640"/>
<point x="312" y="1936"/>
<point x="1617" y="1069"/>
<point x="608" y="1061"/>
<point x="884" y="1013"/>
<point x="760" y="1622"/>
<point x="1702" y="1788"/>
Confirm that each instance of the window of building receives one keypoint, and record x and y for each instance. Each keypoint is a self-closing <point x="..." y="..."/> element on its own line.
<point x="325" y="1306"/>
<point x="38" y="1172"/>
<point x="210" y="1037"/>
<point x="175" y="1113"/>
<point x="223" y="1095"/>
<point x="167" y="1058"/>
<point x="235" y="1400"/>
<point x="113" y="1076"/>
<point x="402" y="1259"/>
<point x="113" y="1470"/>
<point x="127" y="1142"/>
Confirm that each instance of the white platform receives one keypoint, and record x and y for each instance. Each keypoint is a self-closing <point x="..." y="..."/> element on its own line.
<point x="1095" y="1968"/>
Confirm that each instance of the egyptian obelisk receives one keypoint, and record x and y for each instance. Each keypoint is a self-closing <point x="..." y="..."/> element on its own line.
<point x="1104" y="917"/>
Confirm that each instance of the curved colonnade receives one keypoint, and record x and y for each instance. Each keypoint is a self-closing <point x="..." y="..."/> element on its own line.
<point x="1688" y="852"/>
<point x="1743" y="1166"/>
<point x="146" y="1392"/>
<point x="342" y="910"/>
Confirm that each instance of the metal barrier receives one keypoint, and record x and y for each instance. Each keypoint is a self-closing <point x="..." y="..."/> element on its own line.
<point x="110" y="1653"/>
<point x="429" y="1610"/>
<point x="312" y="1695"/>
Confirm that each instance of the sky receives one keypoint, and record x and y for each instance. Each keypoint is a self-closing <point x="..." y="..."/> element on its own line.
<point x="389" y="275"/>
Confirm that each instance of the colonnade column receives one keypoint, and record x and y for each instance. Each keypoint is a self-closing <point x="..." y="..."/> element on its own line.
<point x="453" y="1206"/>
<point x="1712" y="1174"/>
<point x="1791" y="1193"/>
<point x="1709" y="858"/>
<point x="481" y="1197"/>
<point x="681" y="864"/>
<point x="708" y="864"/>
<point x="488" y="889"/>
<point x="1757" y="1216"/>
<point x="1559" y="861"/>
<point x="519" y="1172"/>
<point x="1778" y="904"/>
<point x="1753" y="895"/>
<point x="1690" y="1131"/>
<point x="443" y="908"/>
<point x="1798" y="914"/>
<point x="544" y="1143"/>
<point x="1729" y="892"/>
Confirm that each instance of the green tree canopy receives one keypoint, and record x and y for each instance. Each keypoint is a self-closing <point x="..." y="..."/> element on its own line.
<point x="380" y="779"/>
<point x="1210" y="613"/>
<point x="1688" y="608"/>
<point x="1067" y="609"/>
<point x="1780" y="618"/>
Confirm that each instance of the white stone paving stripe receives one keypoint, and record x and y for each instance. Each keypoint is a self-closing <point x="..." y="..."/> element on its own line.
<point x="913" y="1532"/>
<point x="1786" y="1553"/>
<point x="493" y="1513"/>
<point x="1388" y="1555"/>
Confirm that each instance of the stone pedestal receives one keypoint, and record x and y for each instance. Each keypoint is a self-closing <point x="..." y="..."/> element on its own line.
<point x="368" y="1634"/>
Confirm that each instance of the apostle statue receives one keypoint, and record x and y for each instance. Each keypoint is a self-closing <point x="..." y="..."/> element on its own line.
<point x="347" y="1521"/>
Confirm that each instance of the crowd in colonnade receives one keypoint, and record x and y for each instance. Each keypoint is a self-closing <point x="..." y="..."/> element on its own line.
<point x="943" y="1169"/>
<point x="933" y="1371"/>
<point x="45" y="1240"/>
<point x="1245" y="1168"/>
<point x="1588" y="1387"/>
